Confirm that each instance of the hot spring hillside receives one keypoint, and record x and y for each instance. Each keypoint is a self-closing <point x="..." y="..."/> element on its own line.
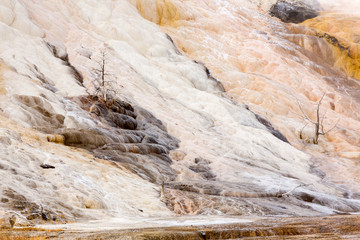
<point x="210" y="109"/>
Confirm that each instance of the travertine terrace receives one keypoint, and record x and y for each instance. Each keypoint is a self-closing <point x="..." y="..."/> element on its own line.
<point x="208" y="102"/>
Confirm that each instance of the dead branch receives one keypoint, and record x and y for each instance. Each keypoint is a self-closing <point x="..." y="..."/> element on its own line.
<point x="304" y="114"/>
<point x="286" y="194"/>
<point x="300" y="135"/>
<point x="323" y="133"/>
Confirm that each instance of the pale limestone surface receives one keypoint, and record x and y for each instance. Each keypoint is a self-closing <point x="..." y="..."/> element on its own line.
<point x="35" y="37"/>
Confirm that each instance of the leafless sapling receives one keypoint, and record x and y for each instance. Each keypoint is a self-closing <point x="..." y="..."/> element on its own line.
<point x="318" y="123"/>
<point x="102" y="83"/>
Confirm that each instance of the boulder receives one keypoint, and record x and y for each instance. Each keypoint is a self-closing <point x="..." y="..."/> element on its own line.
<point x="292" y="12"/>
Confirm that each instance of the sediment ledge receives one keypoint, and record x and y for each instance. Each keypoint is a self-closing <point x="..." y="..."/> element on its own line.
<point x="326" y="227"/>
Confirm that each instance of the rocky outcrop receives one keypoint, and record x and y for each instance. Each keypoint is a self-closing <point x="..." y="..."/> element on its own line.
<point x="126" y="138"/>
<point x="292" y="12"/>
<point x="130" y="135"/>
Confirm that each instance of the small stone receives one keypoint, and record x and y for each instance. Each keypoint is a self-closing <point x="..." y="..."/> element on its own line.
<point x="46" y="166"/>
<point x="177" y="155"/>
<point x="12" y="221"/>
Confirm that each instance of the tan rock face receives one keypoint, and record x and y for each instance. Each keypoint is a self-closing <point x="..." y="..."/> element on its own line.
<point x="274" y="67"/>
<point x="2" y="85"/>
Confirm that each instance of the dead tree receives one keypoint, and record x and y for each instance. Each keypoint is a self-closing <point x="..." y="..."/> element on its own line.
<point x="102" y="84"/>
<point x="318" y="123"/>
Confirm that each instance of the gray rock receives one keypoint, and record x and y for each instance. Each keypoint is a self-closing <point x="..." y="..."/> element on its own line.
<point x="292" y="12"/>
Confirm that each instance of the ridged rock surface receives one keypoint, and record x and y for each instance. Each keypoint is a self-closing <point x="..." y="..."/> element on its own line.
<point x="208" y="102"/>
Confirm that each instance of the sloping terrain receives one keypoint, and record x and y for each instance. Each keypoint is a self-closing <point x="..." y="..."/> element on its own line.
<point x="206" y="107"/>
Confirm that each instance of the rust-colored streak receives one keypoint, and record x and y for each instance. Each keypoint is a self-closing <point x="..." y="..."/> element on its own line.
<point x="343" y="34"/>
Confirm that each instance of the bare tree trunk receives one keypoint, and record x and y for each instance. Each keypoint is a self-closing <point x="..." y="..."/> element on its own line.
<point x="103" y="78"/>
<point x="317" y="123"/>
<point x="316" y="138"/>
